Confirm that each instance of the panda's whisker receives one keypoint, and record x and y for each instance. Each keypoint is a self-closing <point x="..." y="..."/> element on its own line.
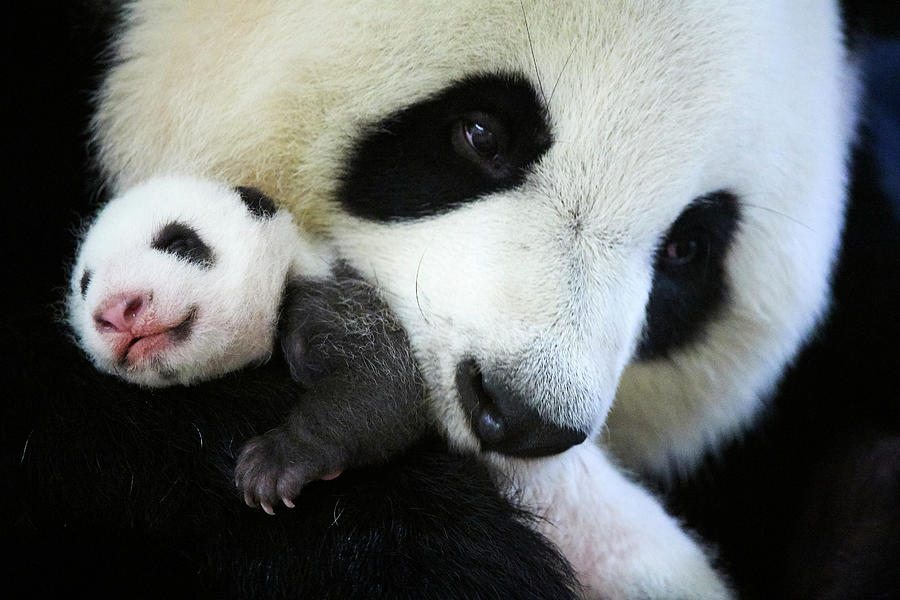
<point x="375" y="276"/>
<point x="418" y="304"/>
<point x="561" y="71"/>
<point x="25" y="447"/>
<point x="199" y="433"/>
<point x="338" y="511"/>
<point x="779" y="213"/>
<point x="537" y="71"/>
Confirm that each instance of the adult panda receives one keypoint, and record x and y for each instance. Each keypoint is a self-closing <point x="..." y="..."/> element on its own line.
<point x="582" y="203"/>
<point x="564" y="203"/>
<point x="286" y="148"/>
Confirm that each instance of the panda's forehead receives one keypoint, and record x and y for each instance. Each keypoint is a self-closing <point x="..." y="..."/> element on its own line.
<point x="134" y="221"/>
<point x="557" y="44"/>
<point x="627" y="107"/>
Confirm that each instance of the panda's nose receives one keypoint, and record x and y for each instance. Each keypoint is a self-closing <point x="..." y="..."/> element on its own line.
<point x="504" y="422"/>
<point x="120" y="312"/>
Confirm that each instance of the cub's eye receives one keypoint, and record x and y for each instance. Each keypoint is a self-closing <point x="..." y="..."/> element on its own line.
<point x="678" y="252"/>
<point x="183" y="241"/>
<point x="85" y="282"/>
<point x="481" y="138"/>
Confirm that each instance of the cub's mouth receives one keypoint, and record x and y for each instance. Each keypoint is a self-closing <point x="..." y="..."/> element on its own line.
<point x="147" y="345"/>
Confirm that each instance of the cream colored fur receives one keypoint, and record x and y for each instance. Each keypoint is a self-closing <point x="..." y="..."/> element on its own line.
<point x="651" y="104"/>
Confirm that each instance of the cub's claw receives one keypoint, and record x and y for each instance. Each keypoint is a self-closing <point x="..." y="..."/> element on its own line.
<point x="271" y="470"/>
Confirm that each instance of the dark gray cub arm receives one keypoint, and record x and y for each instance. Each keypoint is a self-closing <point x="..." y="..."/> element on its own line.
<point x="362" y="400"/>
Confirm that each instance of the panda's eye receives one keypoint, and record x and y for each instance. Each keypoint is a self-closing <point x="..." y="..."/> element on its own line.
<point x="183" y="241"/>
<point x="483" y="140"/>
<point x="678" y="252"/>
<point x="85" y="282"/>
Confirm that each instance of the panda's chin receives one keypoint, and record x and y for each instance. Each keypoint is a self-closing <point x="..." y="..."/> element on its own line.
<point x="152" y="371"/>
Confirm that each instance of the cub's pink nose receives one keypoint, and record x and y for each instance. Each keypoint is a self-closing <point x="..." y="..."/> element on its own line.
<point x="120" y="313"/>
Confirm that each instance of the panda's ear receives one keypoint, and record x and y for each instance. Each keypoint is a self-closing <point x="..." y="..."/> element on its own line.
<point x="259" y="205"/>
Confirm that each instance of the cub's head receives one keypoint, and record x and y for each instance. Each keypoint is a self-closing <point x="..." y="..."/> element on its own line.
<point x="180" y="279"/>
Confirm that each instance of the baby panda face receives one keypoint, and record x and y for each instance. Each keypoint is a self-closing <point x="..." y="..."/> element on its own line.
<point x="180" y="280"/>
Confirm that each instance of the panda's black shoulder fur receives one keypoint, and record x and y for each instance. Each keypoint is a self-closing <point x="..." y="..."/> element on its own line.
<point x="121" y="490"/>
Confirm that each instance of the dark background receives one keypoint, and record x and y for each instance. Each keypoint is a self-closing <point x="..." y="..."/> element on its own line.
<point x="807" y="505"/>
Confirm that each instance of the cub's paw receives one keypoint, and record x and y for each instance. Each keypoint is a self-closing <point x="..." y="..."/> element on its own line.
<point x="273" y="468"/>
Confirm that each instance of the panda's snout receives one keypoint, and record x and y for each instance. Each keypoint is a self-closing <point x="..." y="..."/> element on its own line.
<point x="504" y="422"/>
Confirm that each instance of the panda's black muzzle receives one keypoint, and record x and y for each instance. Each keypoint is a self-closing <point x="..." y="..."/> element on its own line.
<point x="504" y="422"/>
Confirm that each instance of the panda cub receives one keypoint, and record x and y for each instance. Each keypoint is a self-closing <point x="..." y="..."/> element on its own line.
<point x="180" y="280"/>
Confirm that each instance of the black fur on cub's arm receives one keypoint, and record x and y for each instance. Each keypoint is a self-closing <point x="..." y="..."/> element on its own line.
<point x="363" y="402"/>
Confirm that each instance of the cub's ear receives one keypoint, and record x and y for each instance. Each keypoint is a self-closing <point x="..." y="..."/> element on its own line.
<point x="259" y="205"/>
<point x="300" y="326"/>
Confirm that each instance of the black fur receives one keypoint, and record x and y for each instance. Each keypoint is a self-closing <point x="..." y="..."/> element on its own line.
<point x="864" y="19"/>
<point x="259" y="205"/>
<point x="122" y="491"/>
<point x="689" y="284"/>
<point x="363" y="403"/>
<point x="418" y="162"/>
<point x="184" y="242"/>
<point x="846" y="542"/>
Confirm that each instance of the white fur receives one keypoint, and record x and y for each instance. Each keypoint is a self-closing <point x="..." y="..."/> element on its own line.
<point x="234" y="302"/>
<point x="641" y="553"/>
<point x="652" y="104"/>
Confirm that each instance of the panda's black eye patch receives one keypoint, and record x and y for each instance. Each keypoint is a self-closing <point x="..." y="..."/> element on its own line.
<point x="259" y="205"/>
<point x="85" y="282"/>
<point x="183" y="241"/>
<point x="479" y="135"/>
<point x="689" y="274"/>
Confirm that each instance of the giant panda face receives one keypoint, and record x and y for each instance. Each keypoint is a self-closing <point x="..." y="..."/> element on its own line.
<point x="567" y="203"/>
<point x="532" y="260"/>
